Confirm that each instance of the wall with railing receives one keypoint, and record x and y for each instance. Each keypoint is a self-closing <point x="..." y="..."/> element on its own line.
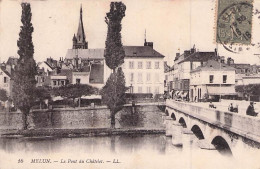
<point x="243" y="125"/>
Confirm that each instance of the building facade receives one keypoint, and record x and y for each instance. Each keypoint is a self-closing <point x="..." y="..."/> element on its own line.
<point x="213" y="80"/>
<point x="183" y="65"/>
<point x="143" y="68"/>
<point x="6" y="81"/>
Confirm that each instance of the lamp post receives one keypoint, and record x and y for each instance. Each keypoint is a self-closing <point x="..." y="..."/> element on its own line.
<point x="133" y="102"/>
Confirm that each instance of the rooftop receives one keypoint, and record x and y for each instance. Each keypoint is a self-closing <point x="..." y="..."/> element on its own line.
<point x="214" y="65"/>
<point x="130" y="51"/>
<point x="85" y="53"/>
<point x="199" y="57"/>
<point x="141" y="51"/>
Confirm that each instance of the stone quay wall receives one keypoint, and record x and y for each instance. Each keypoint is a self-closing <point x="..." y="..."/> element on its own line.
<point x="143" y="116"/>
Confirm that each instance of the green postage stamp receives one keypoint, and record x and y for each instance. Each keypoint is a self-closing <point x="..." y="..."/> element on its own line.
<point x="234" y="22"/>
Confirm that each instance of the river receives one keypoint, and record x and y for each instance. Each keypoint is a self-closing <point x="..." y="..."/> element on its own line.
<point x="125" y="151"/>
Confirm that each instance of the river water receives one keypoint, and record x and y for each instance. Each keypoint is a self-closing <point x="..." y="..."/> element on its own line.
<point x="125" y="151"/>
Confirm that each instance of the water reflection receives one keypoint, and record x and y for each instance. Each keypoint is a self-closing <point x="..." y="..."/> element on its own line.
<point x="113" y="144"/>
<point x="146" y="151"/>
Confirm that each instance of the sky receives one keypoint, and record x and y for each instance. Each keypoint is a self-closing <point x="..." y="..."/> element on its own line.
<point x="173" y="26"/>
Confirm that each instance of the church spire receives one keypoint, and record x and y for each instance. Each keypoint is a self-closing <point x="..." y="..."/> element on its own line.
<point x="81" y="33"/>
<point x="81" y="38"/>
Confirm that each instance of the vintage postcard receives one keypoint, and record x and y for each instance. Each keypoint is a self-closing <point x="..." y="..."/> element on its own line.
<point x="131" y="84"/>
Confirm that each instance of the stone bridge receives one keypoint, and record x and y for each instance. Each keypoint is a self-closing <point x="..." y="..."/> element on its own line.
<point x="212" y="129"/>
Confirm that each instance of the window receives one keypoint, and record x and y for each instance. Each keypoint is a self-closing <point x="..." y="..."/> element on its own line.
<point x="131" y="65"/>
<point x="148" y="65"/>
<point x="211" y="78"/>
<point x="77" y="81"/>
<point x="224" y="78"/>
<point x="54" y="83"/>
<point x="140" y="78"/>
<point x="148" y="77"/>
<point x="140" y="89"/>
<point x="140" y="65"/>
<point x="62" y="83"/>
<point x="131" y="77"/>
<point x="5" y="79"/>
<point x="148" y="89"/>
<point x="157" y="65"/>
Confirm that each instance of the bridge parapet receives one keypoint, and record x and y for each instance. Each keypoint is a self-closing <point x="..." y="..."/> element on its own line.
<point x="242" y="125"/>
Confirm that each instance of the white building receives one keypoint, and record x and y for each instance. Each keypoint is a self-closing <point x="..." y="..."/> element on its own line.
<point x="58" y="81"/>
<point x="213" y="79"/>
<point x="80" y="77"/>
<point x="5" y="81"/>
<point x="251" y="79"/>
<point x="144" y="69"/>
<point x="183" y="65"/>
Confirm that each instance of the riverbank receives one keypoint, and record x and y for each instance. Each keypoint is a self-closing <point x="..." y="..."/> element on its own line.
<point x="141" y="116"/>
<point x="78" y="132"/>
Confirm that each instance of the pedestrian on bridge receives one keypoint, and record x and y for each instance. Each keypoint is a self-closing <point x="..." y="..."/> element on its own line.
<point x="251" y="110"/>
<point x="231" y="108"/>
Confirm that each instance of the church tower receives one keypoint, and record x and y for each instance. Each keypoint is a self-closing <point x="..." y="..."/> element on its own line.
<point x="79" y="40"/>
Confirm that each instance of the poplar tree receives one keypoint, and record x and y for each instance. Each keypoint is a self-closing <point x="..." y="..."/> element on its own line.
<point x="113" y="93"/>
<point x="114" y="51"/>
<point x="25" y="70"/>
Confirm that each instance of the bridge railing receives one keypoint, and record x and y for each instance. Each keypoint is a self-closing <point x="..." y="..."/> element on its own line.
<point x="244" y="125"/>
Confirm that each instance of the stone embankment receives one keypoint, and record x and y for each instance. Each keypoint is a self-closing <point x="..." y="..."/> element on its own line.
<point x="70" y="122"/>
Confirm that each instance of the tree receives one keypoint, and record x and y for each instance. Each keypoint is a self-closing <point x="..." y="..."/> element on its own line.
<point x="113" y="93"/>
<point x="41" y="94"/>
<point x="3" y="95"/>
<point x="248" y="90"/>
<point x="75" y="91"/>
<point x="25" y="70"/>
<point x="114" y="51"/>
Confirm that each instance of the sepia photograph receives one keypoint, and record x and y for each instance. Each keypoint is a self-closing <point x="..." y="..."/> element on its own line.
<point x="129" y="84"/>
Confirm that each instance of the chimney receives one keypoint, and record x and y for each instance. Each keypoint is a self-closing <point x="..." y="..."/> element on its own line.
<point x="186" y="53"/>
<point x="150" y="44"/>
<point x="192" y="50"/>
<point x="177" y="56"/>
<point x="216" y="52"/>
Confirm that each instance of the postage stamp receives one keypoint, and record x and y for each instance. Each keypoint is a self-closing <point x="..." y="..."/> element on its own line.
<point x="234" y="22"/>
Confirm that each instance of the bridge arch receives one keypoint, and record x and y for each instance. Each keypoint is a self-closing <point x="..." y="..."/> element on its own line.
<point x="173" y="116"/>
<point x="182" y="122"/>
<point x="197" y="132"/>
<point x="221" y="145"/>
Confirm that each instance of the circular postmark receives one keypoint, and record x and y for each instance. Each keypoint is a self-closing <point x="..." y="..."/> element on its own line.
<point x="234" y="26"/>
